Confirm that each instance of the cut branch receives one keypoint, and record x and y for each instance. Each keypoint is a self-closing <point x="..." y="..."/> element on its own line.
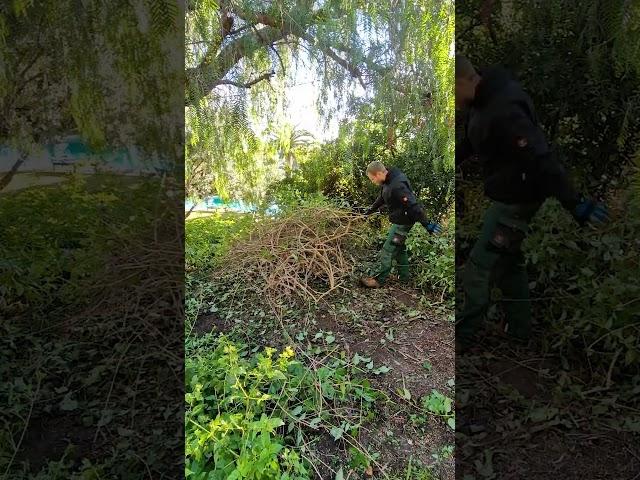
<point x="190" y="210"/>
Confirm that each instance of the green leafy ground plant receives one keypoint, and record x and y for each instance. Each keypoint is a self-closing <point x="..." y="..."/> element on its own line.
<point x="248" y="415"/>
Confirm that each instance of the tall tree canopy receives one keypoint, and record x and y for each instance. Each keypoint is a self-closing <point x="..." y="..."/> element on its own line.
<point x="106" y="70"/>
<point x="241" y="56"/>
<point x="579" y="60"/>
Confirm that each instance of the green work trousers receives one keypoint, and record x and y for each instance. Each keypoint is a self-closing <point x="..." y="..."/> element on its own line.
<point x="394" y="251"/>
<point x="497" y="259"/>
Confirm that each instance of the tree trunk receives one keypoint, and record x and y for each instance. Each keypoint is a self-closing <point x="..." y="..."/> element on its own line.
<point x="7" y="177"/>
<point x="190" y="210"/>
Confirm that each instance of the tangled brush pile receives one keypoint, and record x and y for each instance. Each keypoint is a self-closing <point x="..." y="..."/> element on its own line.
<point x="301" y="255"/>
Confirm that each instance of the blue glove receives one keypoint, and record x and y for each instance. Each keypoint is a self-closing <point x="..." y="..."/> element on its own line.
<point x="588" y="211"/>
<point x="432" y="227"/>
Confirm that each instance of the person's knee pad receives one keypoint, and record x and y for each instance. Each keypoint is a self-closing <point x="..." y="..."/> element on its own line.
<point x="506" y="239"/>
<point x="398" y="240"/>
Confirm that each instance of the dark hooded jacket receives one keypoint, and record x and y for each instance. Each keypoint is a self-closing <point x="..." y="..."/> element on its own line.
<point x="502" y="129"/>
<point x="399" y="198"/>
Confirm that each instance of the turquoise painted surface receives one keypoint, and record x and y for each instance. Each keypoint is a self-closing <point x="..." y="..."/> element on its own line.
<point x="216" y="203"/>
<point x="73" y="150"/>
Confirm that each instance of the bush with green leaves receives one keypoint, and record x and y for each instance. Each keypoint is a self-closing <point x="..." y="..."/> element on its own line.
<point x="248" y="412"/>
<point x="207" y="237"/>
<point x="63" y="326"/>
<point x="588" y="278"/>
<point x="44" y="259"/>
<point x="433" y="258"/>
<point x="337" y="170"/>
<point x="584" y="286"/>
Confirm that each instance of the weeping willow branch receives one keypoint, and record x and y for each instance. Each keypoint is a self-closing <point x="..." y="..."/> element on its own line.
<point x="215" y="67"/>
<point x="327" y="50"/>
<point x="201" y="80"/>
<point x="273" y="48"/>
<point x="264" y="76"/>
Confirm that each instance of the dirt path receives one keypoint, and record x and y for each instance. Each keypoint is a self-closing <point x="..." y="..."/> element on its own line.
<point x="419" y="349"/>
<point x="390" y="327"/>
<point x="515" y="425"/>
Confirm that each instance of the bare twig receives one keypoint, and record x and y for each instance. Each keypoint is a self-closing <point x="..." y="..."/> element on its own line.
<point x="299" y="256"/>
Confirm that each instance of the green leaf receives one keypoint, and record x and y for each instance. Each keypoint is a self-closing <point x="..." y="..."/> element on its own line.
<point x="315" y="422"/>
<point x="68" y="404"/>
<point x="586" y="271"/>
<point x="381" y="369"/>
<point x="339" y="474"/>
<point x="406" y="394"/>
<point x="451" y="422"/>
<point x="336" y="433"/>
<point x="571" y="244"/>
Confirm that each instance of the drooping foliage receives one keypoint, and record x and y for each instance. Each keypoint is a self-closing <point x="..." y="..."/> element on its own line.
<point x="106" y="70"/>
<point x="374" y="62"/>
<point x="581" y="63"/>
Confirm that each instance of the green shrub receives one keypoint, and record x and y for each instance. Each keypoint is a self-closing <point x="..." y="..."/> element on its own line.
<point x="247" y="415"/>
<point x="52" y="238"/>
<point x="589" y="281"/>
<point x="433" y="258"/>
<point x="584" y="286"/>
<point x="207" y="237"/>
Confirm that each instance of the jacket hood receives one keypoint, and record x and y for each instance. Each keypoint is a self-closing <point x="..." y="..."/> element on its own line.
<point x="494" y="80"/>
<point x="394" y="174"/>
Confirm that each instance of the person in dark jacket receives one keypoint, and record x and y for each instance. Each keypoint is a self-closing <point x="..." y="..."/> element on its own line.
<point x="520" y="172"/>
<point x="404" y="213"/>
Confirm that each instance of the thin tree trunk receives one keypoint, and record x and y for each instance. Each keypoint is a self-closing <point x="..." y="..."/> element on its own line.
<point x="190" y="210"/>
<point x="7" y="177"/>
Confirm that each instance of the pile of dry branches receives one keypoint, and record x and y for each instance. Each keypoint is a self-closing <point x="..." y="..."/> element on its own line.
<point x="300" y="255"/>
